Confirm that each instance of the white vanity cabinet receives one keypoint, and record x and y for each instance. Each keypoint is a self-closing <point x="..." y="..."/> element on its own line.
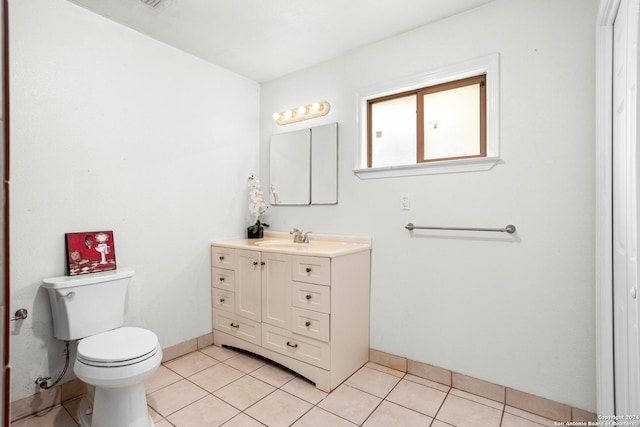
<point x="305" y="307"/>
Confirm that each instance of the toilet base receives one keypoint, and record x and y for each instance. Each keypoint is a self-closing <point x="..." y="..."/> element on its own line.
<point x="108" y="407"/>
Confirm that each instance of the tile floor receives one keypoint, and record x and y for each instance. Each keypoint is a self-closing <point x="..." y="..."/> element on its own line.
<point x="222" y="387"/>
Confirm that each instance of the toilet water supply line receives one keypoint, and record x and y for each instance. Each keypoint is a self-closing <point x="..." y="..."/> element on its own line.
<point x="43" y="382"/>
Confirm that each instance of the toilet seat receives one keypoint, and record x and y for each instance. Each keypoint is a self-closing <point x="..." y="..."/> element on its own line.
<point x="118" y="347"/>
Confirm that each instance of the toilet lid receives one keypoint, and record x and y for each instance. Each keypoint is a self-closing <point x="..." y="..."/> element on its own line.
<point x="119" y="346"/>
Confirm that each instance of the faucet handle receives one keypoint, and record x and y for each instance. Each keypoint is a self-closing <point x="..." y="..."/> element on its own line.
<point x="295" y="231"/>
<point x="305" y="237"/>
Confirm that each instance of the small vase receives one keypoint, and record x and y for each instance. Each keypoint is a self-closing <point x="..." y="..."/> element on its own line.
<point x="257" y="235"/>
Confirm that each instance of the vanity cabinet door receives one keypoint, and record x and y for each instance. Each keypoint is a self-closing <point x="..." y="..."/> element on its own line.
<point x="276" y="289"/>
<point x="248" y="289"/>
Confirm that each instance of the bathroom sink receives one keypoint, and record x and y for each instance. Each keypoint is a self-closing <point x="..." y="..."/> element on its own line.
<point x="319" y="245"/>
<point x="286" y="244"/>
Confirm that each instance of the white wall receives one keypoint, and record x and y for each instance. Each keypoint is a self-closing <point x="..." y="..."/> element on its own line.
<point x="113" y="130"/>
<point x="514" y="310"/>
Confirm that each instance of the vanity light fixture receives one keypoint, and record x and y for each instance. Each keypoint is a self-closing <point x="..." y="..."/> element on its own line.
<point x="305" y="112"/>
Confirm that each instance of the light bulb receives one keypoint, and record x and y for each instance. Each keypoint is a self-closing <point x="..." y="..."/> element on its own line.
<point x="277" y="116"/>
<point x="316" y="106"/>
<point x="302" y="111"/>
<point x="288" y="114"/>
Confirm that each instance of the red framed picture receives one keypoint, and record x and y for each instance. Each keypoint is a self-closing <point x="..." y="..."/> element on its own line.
<point x="90" y="252"/>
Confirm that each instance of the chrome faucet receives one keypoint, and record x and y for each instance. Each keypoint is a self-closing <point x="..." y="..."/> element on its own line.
<point x="299" y="236"/>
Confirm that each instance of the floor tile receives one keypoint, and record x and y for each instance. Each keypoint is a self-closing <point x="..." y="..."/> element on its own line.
<point x="428" y="383"/>
<point x="216" y="377"/>
<point x="211" y="387"/>
<point x="317" y="417"/>
<point x="56" y="416"/>
<point x="190" y="364"/>
<point x="390" y="414"/>
<point x="279" y="409"/>
<point x="72" y="407"/>
<point x="418" y="397"/>
<point x="272" y="374"/>
<point x="245" y="363"/>
<point x="509" y="420"/>
<point x="385" y="369"/>
<point x="244" y="392"/>
<point x="529" y="416"/>
<point x="459" y="411"/>
<point x="350" y="403"/>
<point x="242" y="420"/>
<point x="373" y="381"/>
<point x="219" y="353"/>
<point x="174" y="397"/>
<point x="477" y="399"/>
<point x="305" y="390"/>
<point x="162" y="377"/>
<point x="206" y="412"/>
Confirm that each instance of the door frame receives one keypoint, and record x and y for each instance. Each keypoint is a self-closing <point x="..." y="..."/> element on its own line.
<point x="605" y="397"/>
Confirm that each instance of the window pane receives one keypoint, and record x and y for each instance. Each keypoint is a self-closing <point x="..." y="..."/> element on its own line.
<point x="452" y="123"/>
<point x="393" y="132"/>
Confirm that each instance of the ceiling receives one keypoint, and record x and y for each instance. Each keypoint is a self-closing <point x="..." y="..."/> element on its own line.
<point x="266" y="39"/>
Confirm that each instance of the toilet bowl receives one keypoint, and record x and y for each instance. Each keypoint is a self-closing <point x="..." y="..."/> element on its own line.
<point x="117" y="363"/>
<point x="112" y="359"/>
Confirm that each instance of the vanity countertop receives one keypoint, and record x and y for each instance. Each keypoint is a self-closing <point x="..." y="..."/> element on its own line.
<point x="322" y="245"/>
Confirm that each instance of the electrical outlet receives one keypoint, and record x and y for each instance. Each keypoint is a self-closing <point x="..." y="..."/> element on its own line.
<point x="405" y="202"/>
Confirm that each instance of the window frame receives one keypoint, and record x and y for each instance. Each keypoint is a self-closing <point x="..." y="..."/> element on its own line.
<point x="487" y="65"/>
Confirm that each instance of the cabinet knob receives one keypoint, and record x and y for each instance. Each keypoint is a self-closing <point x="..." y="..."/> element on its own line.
<point x="221" y="258"/>
<point x="308" y="269"/>
<point x="233" y="325"/>
<point x="222" y="279"/>
<point x="222" y="299"/>
<point x="262" y="263"/>
<point x="255" y="263"/>
<point x="307" y="323"/>
<point x="308" y="297"/>
<point x="292" y="345"/>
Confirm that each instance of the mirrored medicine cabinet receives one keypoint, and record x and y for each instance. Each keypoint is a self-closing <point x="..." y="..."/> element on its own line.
<point x="304" y="167"/>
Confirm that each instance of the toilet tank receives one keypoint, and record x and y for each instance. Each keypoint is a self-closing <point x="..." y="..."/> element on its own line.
<point x="87" y="304"/>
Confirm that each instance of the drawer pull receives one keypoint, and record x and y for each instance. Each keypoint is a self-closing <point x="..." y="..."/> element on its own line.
<point x="308" y="297"/>
<point x="262" y="263"/>
<point x="292" y="345"/>
<point x="307" y="323"/>
<point x="233" y="325"/>
<point x="308" y="269"/>
<point x="222" y="300"/>
<point x="255" y="263"/>
<point x="221" y="258"/>
<point x="222" y="279"/>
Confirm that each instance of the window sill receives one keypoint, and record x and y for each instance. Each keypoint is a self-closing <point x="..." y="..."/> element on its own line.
<point x="447" y="166"/>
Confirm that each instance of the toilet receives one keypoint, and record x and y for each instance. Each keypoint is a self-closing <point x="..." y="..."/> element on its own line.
<point x="112" y="359"/>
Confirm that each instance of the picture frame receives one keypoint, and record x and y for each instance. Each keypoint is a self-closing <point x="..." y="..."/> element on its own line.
<point x="90" y="252"/>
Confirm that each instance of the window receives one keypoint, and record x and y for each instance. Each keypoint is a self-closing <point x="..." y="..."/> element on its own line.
<point x="444" y="121"/>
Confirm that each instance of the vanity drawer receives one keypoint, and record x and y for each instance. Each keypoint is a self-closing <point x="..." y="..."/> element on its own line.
<point x="293" y="345"/>
<point x="234" y="325"/>
<point x="311" y="270"/>
<point x="223" y="257"/>
<point x="223" y="279"/>
<point x="310" y="323"/>
<point x="223" y="300"/>
<point x="311" y="297"/>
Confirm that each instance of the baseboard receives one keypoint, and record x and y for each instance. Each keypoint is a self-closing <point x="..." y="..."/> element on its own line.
<point x="527" y="402"/>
